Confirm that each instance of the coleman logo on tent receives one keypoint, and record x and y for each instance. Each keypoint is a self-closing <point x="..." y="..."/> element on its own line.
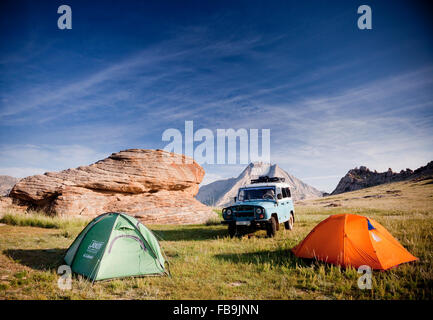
<point x="95" y="246"/>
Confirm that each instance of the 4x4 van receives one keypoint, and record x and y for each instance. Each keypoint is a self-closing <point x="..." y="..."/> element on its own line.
<point x="263" y="204"/>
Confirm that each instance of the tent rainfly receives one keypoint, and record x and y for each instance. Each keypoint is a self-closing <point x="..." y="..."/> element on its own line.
<point x="353" y="240"/>
<point x="115" y="245"/>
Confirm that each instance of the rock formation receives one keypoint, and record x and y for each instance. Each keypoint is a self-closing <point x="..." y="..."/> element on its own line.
<point x="153" y="185"/>
<point x="6" y="184"/>
<point x="220" y="193"/>
<point x="363" y="177"/>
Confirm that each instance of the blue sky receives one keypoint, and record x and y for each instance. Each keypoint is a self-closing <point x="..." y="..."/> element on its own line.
<point x="335" y="97"/>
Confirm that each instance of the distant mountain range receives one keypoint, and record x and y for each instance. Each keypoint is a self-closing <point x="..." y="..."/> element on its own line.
<point x="363" y="177"/>
<point x="6" y="184"/>
<point x="221" y="193"/>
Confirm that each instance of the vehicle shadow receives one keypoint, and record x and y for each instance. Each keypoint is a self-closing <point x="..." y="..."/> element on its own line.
<point x="190" y="234"/>
<point x="275" y="258"/>
<point x="38" y="259"/>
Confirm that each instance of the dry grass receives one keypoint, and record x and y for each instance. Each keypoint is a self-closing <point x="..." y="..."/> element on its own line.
<point x="414" y="197"/>
<point x="207" y="264"/>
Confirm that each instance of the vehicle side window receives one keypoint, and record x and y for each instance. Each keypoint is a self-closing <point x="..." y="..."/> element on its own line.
<point x="285" y="193"/>
<point x="241" y="195"/>
<point x="288" y="192"/>
<point x="279" y="190"/>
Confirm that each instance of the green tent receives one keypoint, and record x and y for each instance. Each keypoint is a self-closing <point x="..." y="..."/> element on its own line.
<point x="115" y="245"/>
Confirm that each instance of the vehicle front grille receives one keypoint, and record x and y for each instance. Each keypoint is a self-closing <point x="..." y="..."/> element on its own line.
<point x="244" y="208"/>
<point x="244" y="211"/>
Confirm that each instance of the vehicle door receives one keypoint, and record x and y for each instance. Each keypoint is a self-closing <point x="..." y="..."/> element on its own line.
<point x="289" y="202"/>
<point x="283" y="205"/>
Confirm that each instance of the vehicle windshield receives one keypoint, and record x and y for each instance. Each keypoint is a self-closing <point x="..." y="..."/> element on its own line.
<point x="266" y="193"/>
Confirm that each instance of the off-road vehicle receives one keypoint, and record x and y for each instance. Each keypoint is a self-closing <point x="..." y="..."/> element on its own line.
<point x="263" y="204"/>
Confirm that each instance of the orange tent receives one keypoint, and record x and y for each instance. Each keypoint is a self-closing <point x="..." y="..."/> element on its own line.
<point x="349" y="239"/>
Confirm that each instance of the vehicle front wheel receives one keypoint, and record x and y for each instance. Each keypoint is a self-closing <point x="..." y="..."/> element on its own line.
<point x="232" y="229"/>
<point x="289" y="224"/>
<point x="272" y="227"/>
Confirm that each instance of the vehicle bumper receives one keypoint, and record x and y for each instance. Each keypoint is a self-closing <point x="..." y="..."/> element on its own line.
<point x="258" y="224"/>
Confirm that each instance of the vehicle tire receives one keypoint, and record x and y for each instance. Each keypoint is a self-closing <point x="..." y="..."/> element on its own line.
<point x="232" y="230"/>
<point x="289" y="224"/>
<point x="272" y="227"/>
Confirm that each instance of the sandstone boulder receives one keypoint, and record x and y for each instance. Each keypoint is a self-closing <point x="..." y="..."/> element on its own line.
<point x="153" y="185"/>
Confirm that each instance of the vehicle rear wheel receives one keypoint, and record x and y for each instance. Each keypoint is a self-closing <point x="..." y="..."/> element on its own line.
<point x="232" y="229"/>
<point x="272" y="227"/>
<point x="289" y="224"/>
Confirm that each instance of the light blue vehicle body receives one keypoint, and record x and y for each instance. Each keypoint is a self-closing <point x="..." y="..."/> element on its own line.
<point x="257" y="213"/>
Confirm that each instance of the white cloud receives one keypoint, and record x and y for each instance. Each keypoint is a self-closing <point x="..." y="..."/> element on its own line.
<point x="23" y="160"/>
<point x="21" y="172"/>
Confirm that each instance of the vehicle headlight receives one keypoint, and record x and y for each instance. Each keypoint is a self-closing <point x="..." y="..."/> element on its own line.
<point x="228" y="212"/>
<point x="259" y="210"/>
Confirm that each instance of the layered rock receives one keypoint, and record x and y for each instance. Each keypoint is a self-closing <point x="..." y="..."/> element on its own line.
<point x="152" y="185"/>
<point x="363" y="177"/>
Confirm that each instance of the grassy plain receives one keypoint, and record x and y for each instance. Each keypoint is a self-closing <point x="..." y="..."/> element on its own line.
<point x="206" y="264"/>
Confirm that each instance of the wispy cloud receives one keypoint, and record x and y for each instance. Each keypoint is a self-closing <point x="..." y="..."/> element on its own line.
<point x="328" y="106"/>
<point x="377" y="124"/>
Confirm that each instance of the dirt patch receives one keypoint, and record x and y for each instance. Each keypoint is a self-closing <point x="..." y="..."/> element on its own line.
<point x="393" y="191"/>
<point x="236" y="284"/>
<point x="377" y="196"/>
<point x="333" y="205"/>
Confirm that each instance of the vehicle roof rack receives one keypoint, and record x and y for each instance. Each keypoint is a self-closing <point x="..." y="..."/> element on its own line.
<point x="268" y="179"/>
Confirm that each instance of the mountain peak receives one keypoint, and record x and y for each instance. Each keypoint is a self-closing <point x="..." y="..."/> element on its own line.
<point x="220" y="193"/>
<point x="259" y="164"/>
<point x="6" y="184"/>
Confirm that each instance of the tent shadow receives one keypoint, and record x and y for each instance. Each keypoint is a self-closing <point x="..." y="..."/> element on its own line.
<point x="37" y="259"/>
<point x="276" y="258"/>
<point x="280" y="258"/>
<point x="190" y="234"/>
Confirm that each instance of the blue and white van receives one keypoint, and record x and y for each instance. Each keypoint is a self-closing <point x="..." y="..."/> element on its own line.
<point x="263" y="204"/>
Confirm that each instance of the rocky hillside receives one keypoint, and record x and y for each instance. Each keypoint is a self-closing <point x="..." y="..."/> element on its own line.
<point x="363" y="177"/>
<point x="6" y="184"/>
<point x="220" y="193"/>
<point x="153" y="185"/>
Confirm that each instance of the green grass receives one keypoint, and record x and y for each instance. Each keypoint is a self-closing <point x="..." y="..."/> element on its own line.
<point x="38" y="219"/>
<point x="219" y="212"/>
<point x="206" y="264"/>
<point x="215" y="221"/>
